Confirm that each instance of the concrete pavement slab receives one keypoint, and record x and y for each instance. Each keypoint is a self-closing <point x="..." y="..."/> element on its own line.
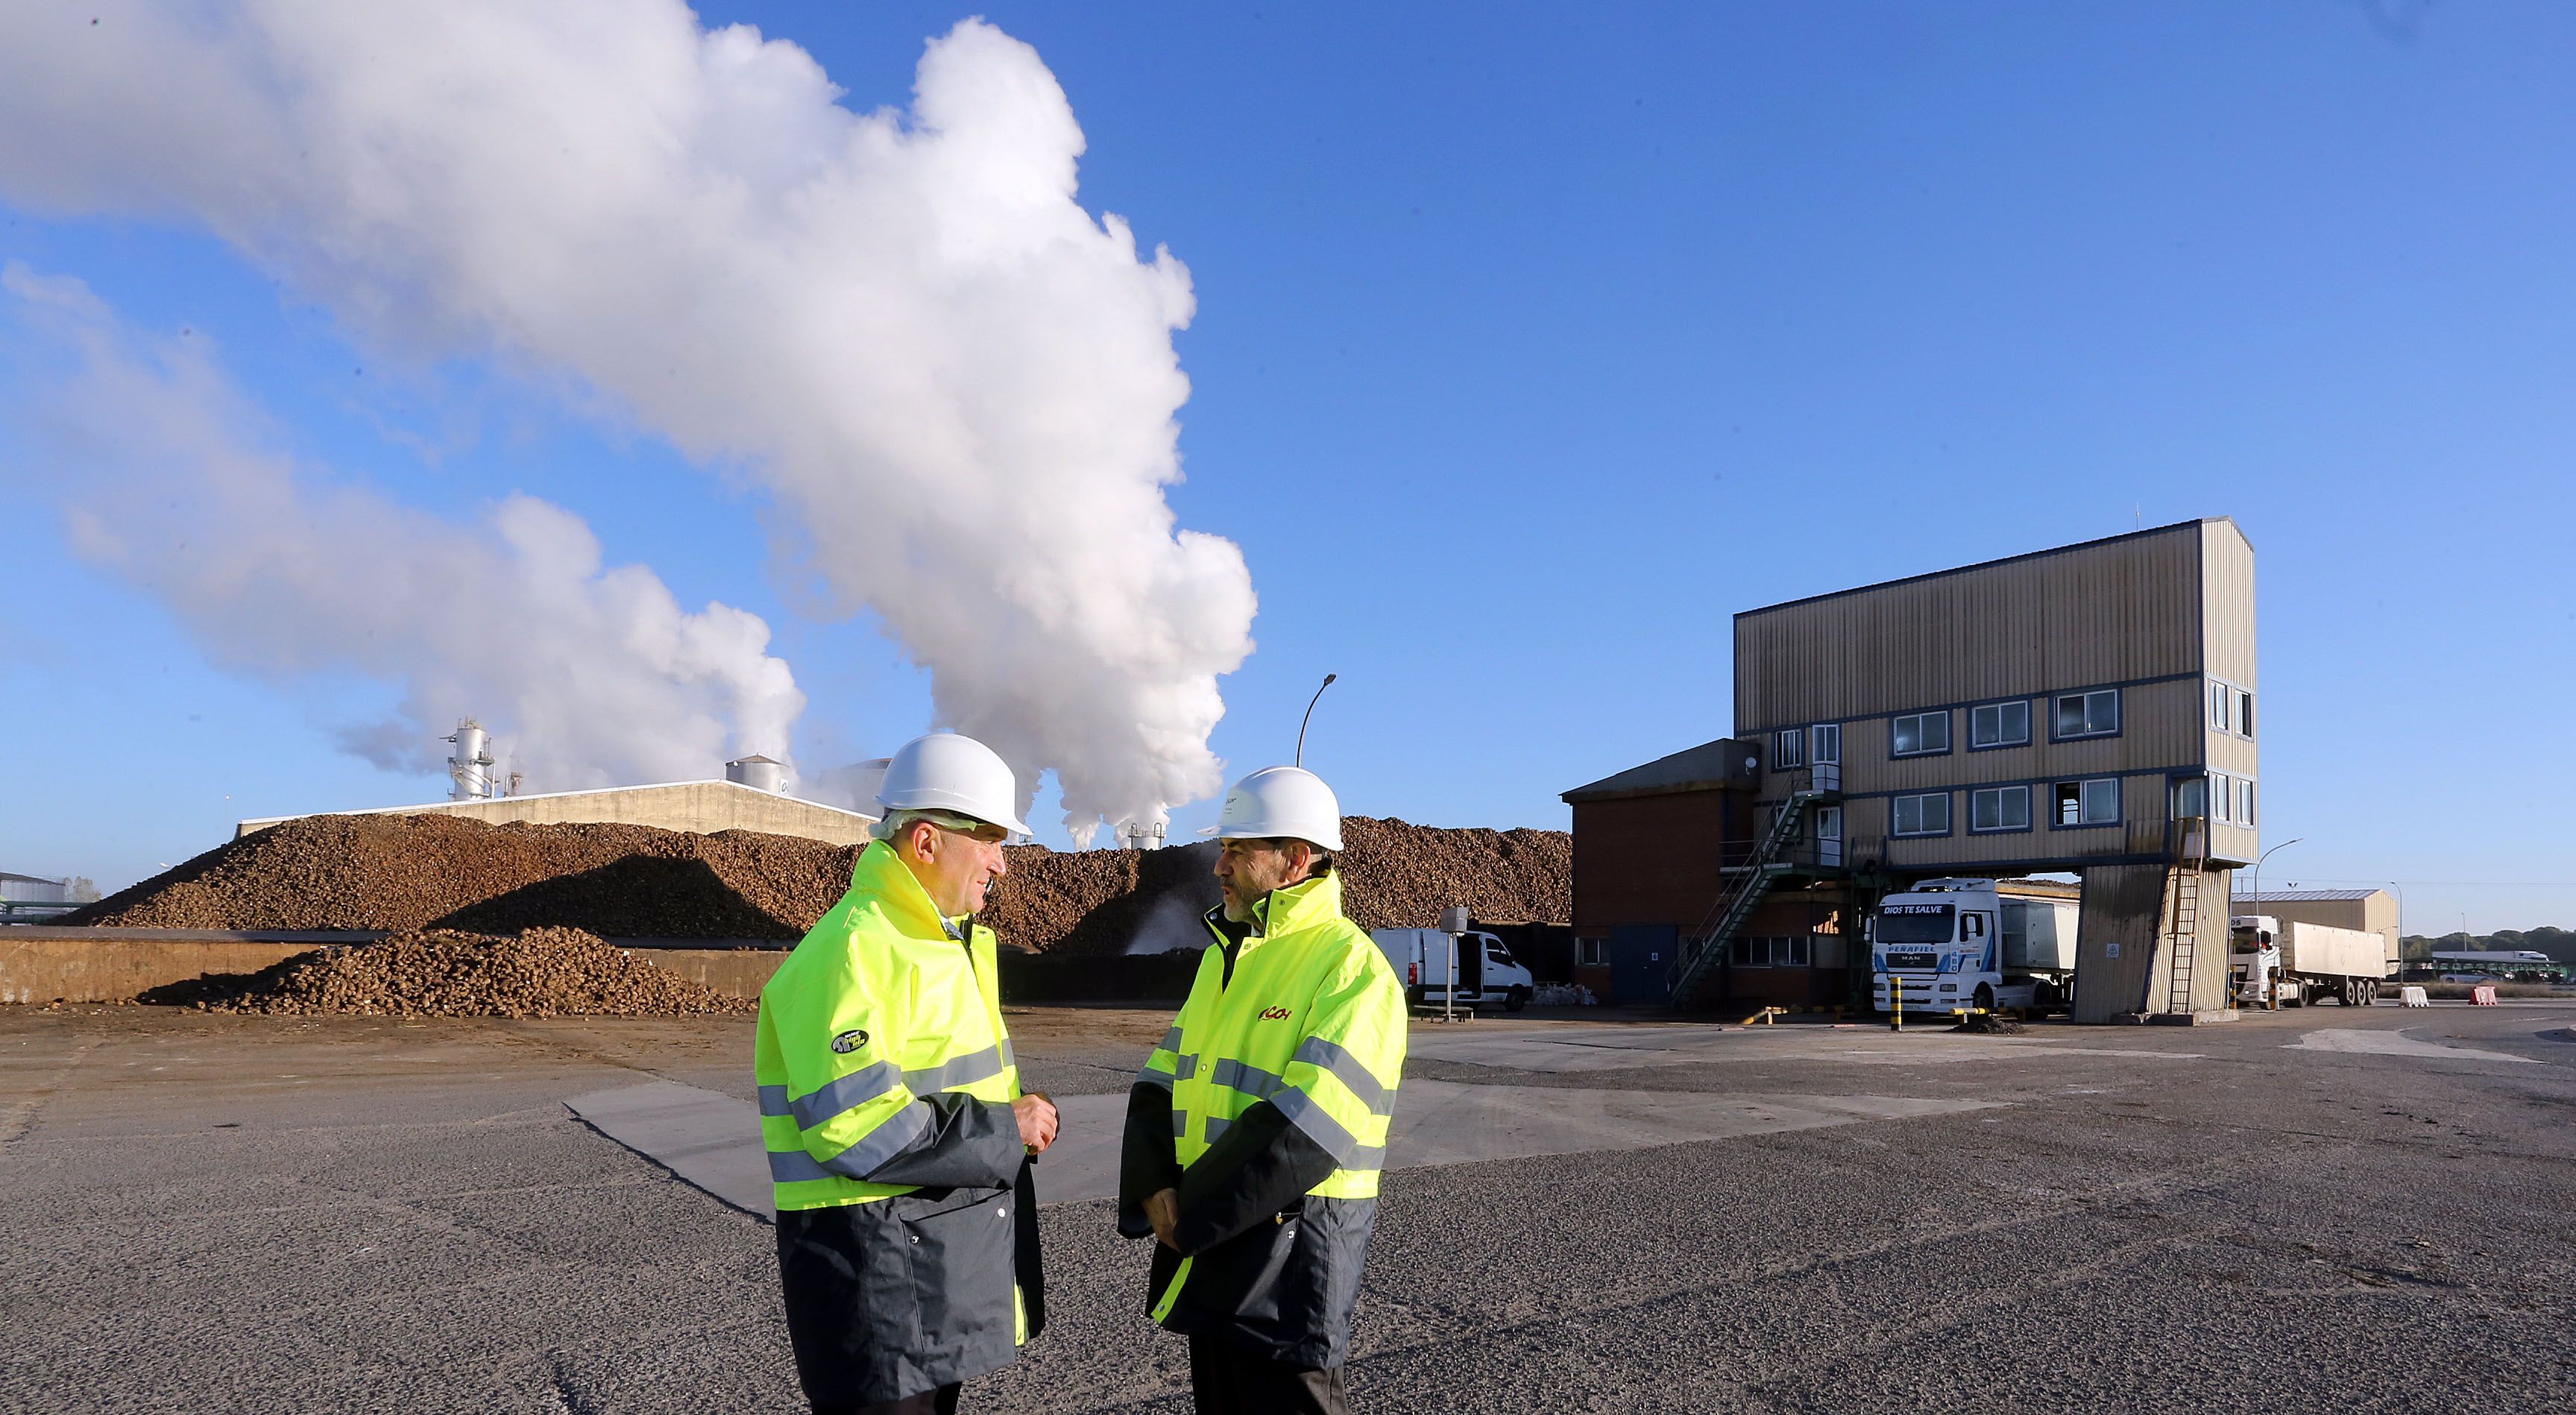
<point x="705" y="1137"/>
<point x="700" y="1136"/>
<point x="1561" y="1050"/>
<point x="2394" y="1044"/>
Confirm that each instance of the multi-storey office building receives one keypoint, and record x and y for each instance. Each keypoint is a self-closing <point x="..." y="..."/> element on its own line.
<point x="2065" y="710"/>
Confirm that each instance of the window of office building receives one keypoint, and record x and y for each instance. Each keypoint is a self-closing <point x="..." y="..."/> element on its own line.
<point x="1825" y="742"/>
<point x="1592" y="952"/>
<point x="1927" y="814"/>
<point x="1999" y="725"/>
<point x="1921" y="734"/>
<point x="2095" y="802"/>
<point x="2231" y="708"/>
<point x="1999" y="808"/>
<point x="2090" y="714"/>
<point x="1790" y="750"/>
<point x="1770" y="951"/>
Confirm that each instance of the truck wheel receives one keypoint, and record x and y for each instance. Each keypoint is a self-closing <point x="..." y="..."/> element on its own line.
<point x="1516" y="999"/>
<point x="1986" y="996"/>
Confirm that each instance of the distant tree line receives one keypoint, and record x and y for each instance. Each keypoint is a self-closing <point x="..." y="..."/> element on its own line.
<point x="2559" y="944"/>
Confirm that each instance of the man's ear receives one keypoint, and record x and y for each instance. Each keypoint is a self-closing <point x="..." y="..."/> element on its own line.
<point x="1301" y="857"/>
<point x="921" y="849"/>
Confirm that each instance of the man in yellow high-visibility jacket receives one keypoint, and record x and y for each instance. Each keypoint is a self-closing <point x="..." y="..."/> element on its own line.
<point x="1256" y="1131"/>
<point x="898" y="1138"/>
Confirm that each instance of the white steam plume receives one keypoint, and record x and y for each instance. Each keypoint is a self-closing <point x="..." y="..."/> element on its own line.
<point x="959" y="384"/>
<point x="591" y="676"/>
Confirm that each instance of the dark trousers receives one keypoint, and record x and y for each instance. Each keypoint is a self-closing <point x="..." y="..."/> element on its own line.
<point x="1227" y="1378"/>
<point x="942" y="1401"/>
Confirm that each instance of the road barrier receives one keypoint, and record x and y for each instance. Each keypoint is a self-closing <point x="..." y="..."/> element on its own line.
<point x="2483" y="995"/>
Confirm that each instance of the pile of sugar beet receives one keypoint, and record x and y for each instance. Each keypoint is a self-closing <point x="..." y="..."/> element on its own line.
<point x="448" y="886"/>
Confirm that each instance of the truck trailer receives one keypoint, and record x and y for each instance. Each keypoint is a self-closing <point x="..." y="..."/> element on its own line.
<point x="2271" y="963"/>
<point x="1947" y="943"/>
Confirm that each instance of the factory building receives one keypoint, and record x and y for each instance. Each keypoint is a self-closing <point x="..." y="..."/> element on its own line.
<point x="2087" y="709"/>
<point x="38" y="897"/>
<point x="753" y="796"/>
<point x="701" y="806"/>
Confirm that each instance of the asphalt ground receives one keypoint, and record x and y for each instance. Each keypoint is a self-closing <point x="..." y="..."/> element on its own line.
<point x="2316" y="1209"/>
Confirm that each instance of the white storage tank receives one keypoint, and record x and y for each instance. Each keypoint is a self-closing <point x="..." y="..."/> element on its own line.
<point x="759" y="773"/>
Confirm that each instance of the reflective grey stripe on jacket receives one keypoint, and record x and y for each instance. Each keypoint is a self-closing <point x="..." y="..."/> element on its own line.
<point x="900" y="1132"/>
<point x="964" y="1070"/>
<point x="1324" y="1130"/>
<point x="1330" y="1056"/>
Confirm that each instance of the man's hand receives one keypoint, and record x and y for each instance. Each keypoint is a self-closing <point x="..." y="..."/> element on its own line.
<point x="1038" y="1121"/>
<point x="1163" y="1211"/>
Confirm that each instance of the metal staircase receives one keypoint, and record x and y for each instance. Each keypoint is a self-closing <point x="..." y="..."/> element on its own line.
<point x="2182" y="906"/>
<point x="1727" y="917"/>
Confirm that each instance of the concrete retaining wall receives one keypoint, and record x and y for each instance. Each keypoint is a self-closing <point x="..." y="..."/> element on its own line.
<point x="41" y="970"/>
<point x="701" y="806"/>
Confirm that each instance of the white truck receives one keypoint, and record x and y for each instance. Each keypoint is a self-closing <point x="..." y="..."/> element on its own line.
<point x="1488" y="974"/>
<point x="2271" y="963"/>
<point x="1948" y="943"/>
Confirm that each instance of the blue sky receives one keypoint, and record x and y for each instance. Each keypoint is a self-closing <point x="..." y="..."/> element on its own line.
<point x="1529" y="348"/>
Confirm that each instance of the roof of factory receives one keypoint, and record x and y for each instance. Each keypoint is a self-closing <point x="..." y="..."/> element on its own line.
<point x="1705" y="767"/>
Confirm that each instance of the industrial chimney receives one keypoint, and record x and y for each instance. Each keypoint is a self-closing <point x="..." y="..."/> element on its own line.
<point x="1140" y="835"/>
<point x="469" y="767"/>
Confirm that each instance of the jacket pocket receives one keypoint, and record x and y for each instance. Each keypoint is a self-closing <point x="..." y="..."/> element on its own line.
<point x="961" y="1249"/>
<point x="1239" y="1278"/>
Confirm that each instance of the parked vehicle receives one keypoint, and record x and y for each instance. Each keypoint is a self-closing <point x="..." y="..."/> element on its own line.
<point x="2270" y="963"/>
<point x="1985" y="943"/>
<point x="1488" y="974"/>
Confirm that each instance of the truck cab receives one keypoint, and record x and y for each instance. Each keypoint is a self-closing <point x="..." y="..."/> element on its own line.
<point x="1954" y="943"/>
<point x="2254" y="957"/>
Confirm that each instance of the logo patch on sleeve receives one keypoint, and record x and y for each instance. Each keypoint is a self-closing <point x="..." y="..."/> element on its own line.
<point x="849" y="1041"/>
<point x="1274" y="1014"/>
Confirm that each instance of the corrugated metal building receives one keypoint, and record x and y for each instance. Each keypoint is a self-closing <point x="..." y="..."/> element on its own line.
<point x="2064" y="710"/>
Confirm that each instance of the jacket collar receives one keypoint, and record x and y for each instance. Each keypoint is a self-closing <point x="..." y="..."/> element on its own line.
<point x="880" y="876"/>
<point x="1304" y="905"/>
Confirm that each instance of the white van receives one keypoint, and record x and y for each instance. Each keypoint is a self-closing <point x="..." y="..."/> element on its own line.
<point x="1488" y="973"/>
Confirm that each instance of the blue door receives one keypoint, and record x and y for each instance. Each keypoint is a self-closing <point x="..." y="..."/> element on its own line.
<point x="1641" y="956"/>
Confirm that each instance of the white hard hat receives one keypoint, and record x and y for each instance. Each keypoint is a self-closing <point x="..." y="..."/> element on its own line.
<point x="1282" y="801"/>
<point x="946" y="772"/>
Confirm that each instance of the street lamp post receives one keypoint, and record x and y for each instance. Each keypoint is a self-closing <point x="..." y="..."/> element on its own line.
<point x="2258" y="870"/>
<point x="1310" y="716"/>
<point x="2401" y="927"/>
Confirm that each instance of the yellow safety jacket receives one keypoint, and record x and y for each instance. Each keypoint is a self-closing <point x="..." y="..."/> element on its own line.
<point x="907" y="1223"/>
<point x="1300" y="1014"/>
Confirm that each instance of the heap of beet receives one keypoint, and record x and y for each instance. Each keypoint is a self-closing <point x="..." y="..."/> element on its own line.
<point x="404" y="873"/>
<point x="548" y="972"/>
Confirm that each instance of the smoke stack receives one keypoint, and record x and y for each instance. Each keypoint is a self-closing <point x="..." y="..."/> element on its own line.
<point x="1140" y="835"/>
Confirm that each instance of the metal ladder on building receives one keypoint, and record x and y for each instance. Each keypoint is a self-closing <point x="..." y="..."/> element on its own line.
<point x="1728" y="916"/>
<point x="2191" y="860"/>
